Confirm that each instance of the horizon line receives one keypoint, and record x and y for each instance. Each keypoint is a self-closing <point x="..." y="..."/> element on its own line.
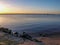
<point x="25" y="13"/>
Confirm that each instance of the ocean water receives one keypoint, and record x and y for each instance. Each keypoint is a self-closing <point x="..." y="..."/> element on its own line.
<point x="31" y="23"/>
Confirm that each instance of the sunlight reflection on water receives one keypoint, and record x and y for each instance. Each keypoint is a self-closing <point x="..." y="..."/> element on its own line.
<point x="29" y="22"/>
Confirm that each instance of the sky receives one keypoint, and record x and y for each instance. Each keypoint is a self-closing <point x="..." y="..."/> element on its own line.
<point x="30" y="6"/>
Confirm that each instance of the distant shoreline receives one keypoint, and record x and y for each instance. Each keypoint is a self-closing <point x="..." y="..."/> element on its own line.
<point x="25" y="14"/>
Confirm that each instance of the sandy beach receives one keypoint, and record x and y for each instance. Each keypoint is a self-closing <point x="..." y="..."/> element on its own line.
<point x="6" y="40"/>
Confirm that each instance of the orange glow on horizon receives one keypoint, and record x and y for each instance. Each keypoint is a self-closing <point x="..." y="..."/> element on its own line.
<point x="6" y="8"/>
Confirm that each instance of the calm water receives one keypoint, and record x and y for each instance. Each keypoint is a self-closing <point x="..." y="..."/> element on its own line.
<point x="31" y="23"/>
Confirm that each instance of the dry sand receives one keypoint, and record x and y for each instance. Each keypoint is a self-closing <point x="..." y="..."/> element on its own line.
<point x="50" y="40"/>
<point x="45" y="41"/>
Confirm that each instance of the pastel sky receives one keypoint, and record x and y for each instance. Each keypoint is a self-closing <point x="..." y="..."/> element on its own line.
<point x="30" y="6"/>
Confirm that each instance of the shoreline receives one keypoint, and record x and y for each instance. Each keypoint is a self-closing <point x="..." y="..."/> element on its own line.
<point x="45" y="40"/>
<point x="50" y="39"/>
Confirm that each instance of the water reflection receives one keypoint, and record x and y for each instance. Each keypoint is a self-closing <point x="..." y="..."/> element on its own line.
<point x="28" y="22"/>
